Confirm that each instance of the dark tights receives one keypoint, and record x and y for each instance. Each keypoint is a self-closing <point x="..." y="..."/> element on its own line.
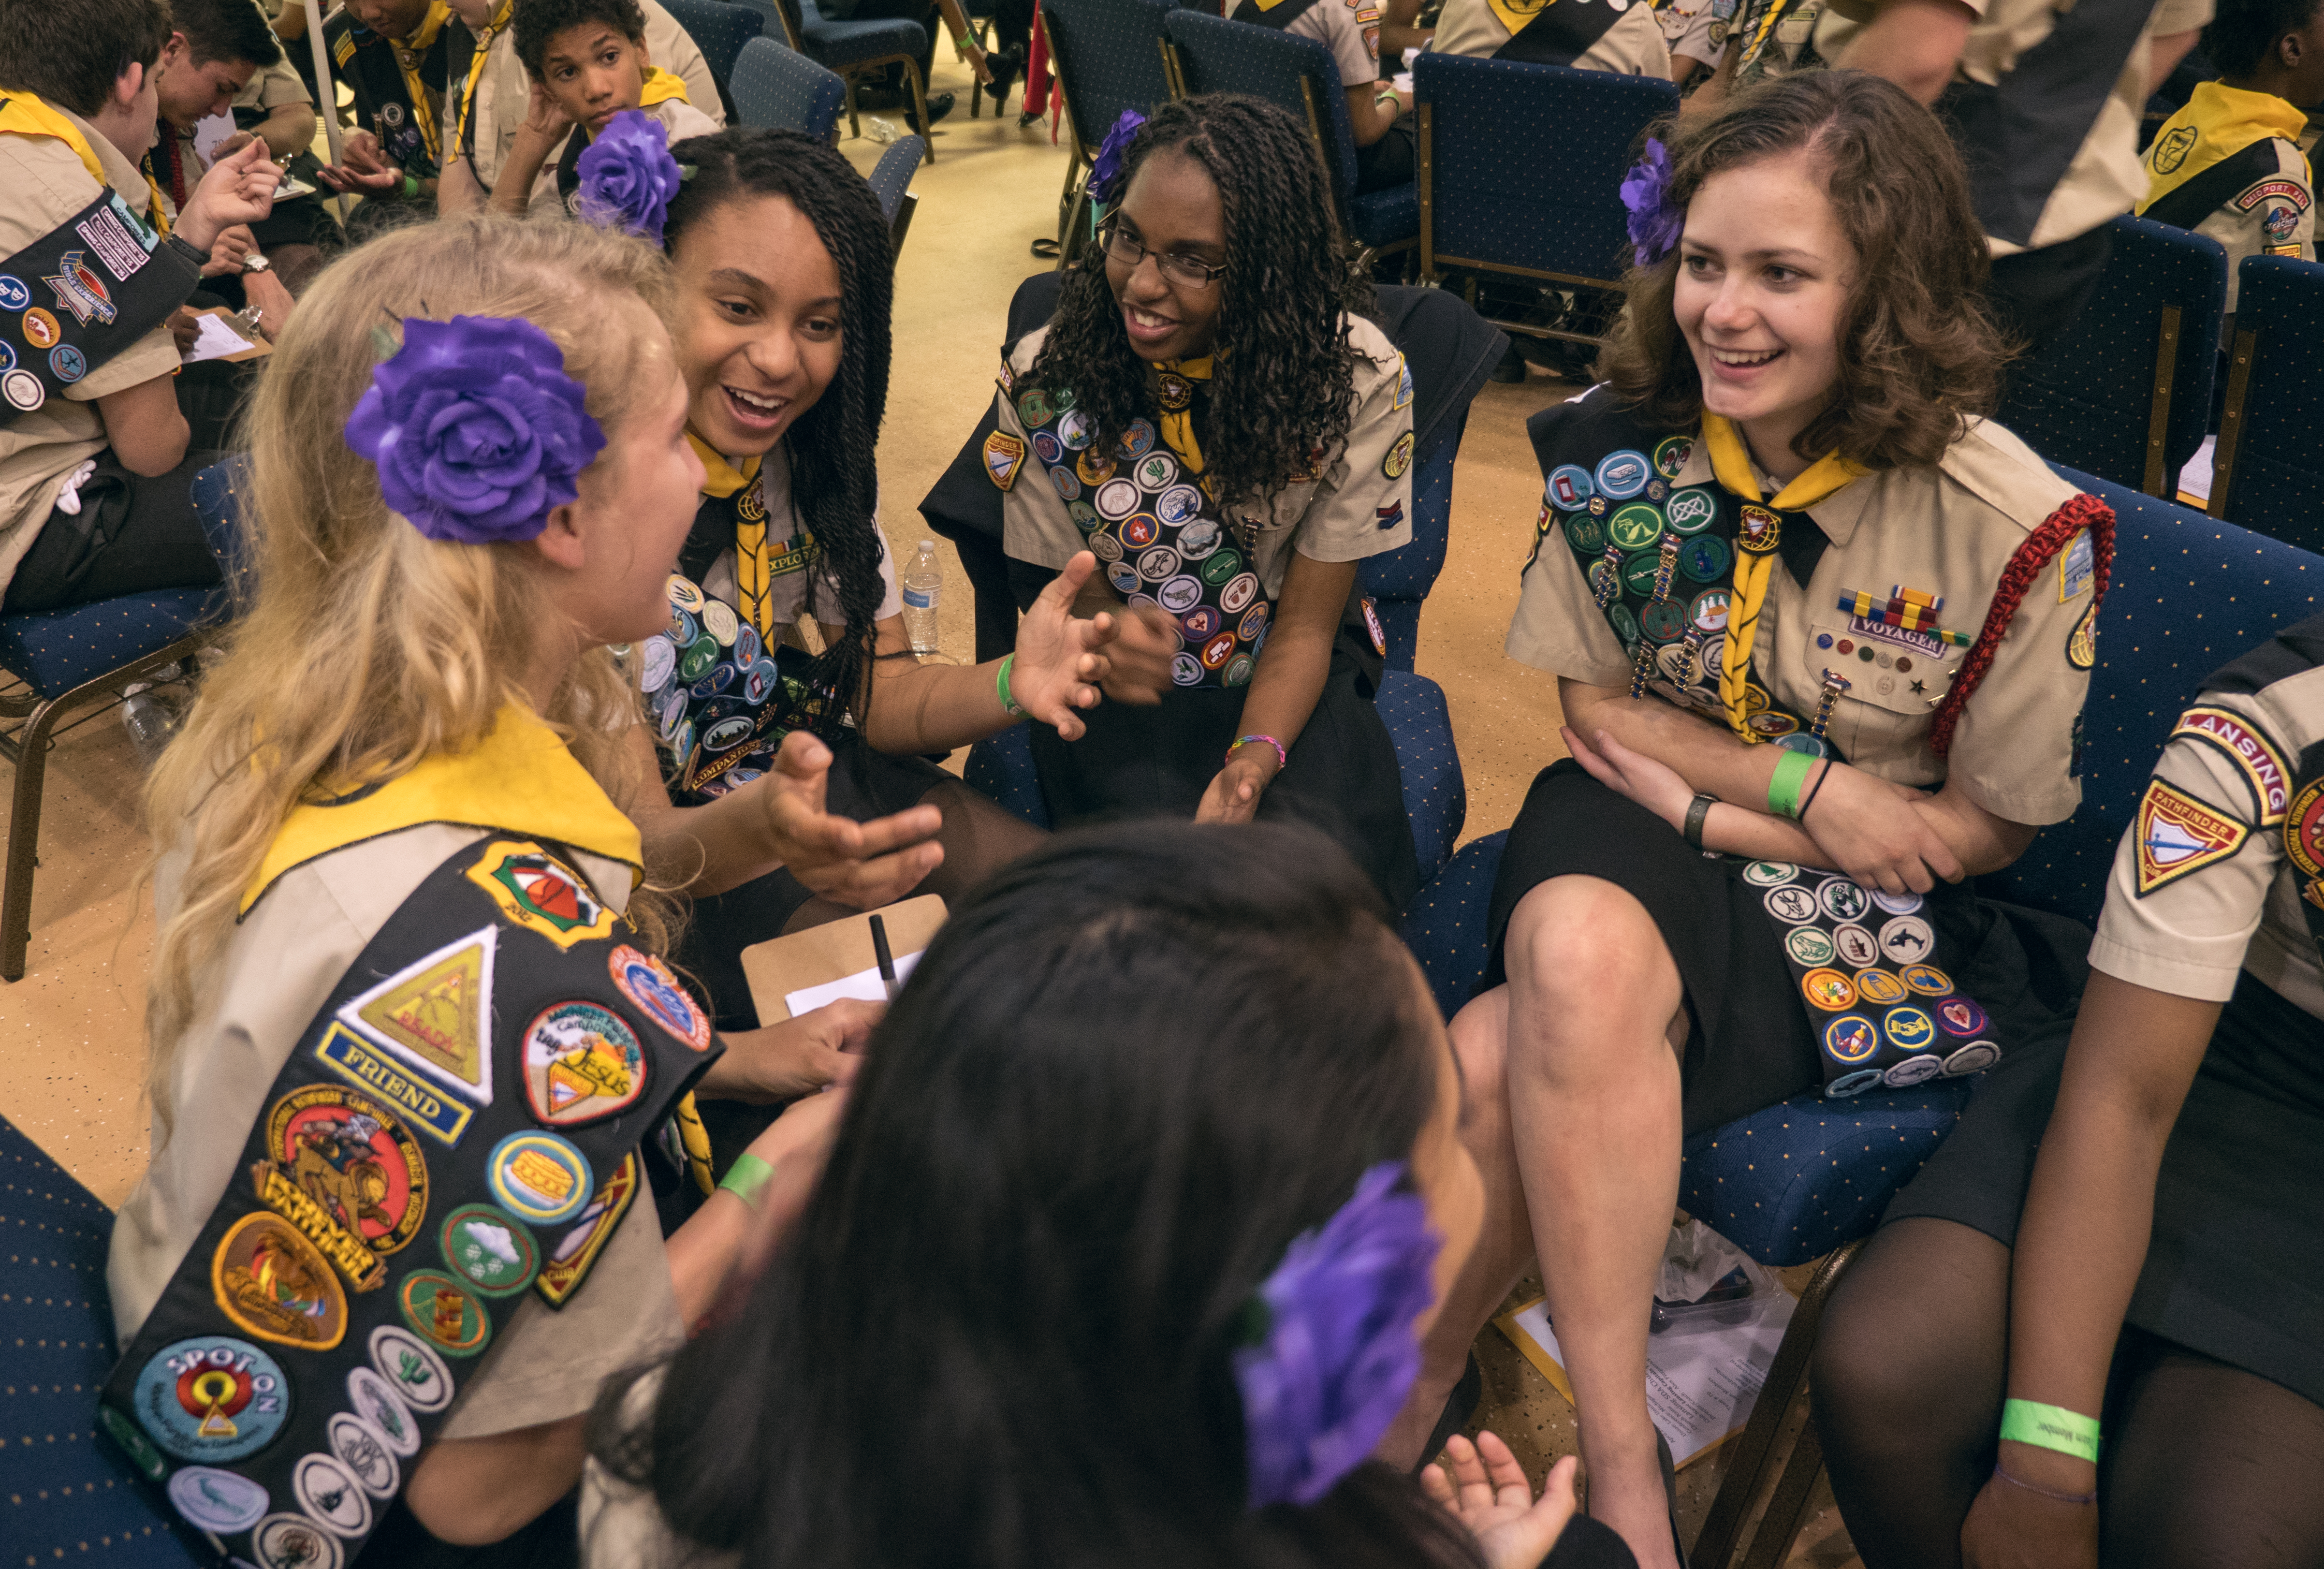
<point x="2204" y="1465"/>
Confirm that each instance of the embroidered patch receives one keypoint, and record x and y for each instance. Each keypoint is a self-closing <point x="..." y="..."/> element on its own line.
<point x="2263" y="769"/>
<point x="2077" y="564"/>
<point x="2082" y="642"/>
<point x="489" y="1250"/>
<point x="416" y="1374"/>
<point x="538" y="892"/>
<point x="330" y="1494"/>
<point x="1909" y="1028"/>
<point x="2303" y="832"/>
<point x="1671" y="454"/>
<point x="292" y="1541"/>
<point x="2290" y="190"/>
<point x="2171" y="151"/>
<point x="212" y="1399"/>
<point x="41" y="328"/>
<point x="1403" y="385"/>
<point x="538" y="1178"/>
<point x="1398" y="459"/>
<point x="445" y="1313"/>
<point x="436" y="1014"/>
<point x="1004" y="455"/>
<point x="345" y="1171"/>
<point x="2279" y="223"/>
<point x="79" y="289"/>
<point x="581" y="1063"/>
<point x="1008" y="379"/>
<point x="223" y="1501"/>
<point x="2292" y="250"/>
<point x="648" y="983"/>
<point x="1850" y="1038"/>
<point x="569" y="1261"/>
<point x="346" y="1053"/>
<point x="1829" y="990"/>
<point x="272" y="1282"/>
<point x="2179" y="835"/>
<point x="1388" y="516"/>
<point x="378" y="1403"/>
<point x="359" y="1446"/>
<point x="1927" y="980"/>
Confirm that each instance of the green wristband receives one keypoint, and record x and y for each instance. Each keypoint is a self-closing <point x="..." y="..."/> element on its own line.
<point x="1001" y="685"/>
<point x="748" y="1178"/>
<point x="1783" y="790"/>
<point x="2051" y="1427"/>
<point x="410" y="187"/>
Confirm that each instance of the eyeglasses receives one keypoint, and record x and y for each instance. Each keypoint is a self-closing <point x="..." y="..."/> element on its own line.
<point x="1190" y="270"/>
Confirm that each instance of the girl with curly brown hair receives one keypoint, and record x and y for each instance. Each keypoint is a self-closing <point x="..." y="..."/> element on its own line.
<point x="1821" y="634"/>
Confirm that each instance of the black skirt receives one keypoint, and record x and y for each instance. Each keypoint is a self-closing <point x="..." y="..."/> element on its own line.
<point x="1749" y="1042"/>
<point x="1341" y="777"/>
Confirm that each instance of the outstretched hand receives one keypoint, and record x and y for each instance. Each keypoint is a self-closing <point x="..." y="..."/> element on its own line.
<point x="238" y="189"/>
<point x="1059" y="662"/>
<point x="363" y="170"/>
<point x="1488" y="1493"/>
<point x="862" y="864"/>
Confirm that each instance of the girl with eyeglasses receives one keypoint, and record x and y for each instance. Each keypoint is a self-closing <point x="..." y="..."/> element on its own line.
<point x="1212" y="415"/>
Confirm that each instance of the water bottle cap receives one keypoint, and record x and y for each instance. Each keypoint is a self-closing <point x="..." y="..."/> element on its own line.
<point x="927" y="544"/>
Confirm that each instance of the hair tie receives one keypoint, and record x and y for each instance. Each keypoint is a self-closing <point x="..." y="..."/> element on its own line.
<point x="1655" y="220"/>
<point x="628" y="175"/>
<point x="1330" y="1355"/>
<point x="1105" y="169"/>
<point x="476" y="430"/>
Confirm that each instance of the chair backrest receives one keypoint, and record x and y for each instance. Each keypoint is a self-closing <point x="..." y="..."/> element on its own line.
<point x="1294" y="73"/>
<point x="781" y="88"/>
<point x="892" y="182"/>
<point x="2125" y="392"/>
<point x="2269" y="472"/>
<point x="1482" y="207"/>
<point x="2188" y="593"/>
<point x="778" y="21"/>
<point x="719" y="31"/>
<point x="1108" y="54"/>
<point x="1398" y="581"/>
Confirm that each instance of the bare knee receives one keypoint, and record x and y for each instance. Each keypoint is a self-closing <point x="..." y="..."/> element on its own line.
<point x="1583" y="936"/>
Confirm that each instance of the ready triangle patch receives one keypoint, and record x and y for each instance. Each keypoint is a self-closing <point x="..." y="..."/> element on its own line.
<point x="436" y="1015"/>
<point x="2178" y="834"/>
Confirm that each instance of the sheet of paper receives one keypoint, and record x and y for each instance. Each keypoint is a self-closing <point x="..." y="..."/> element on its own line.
<point x="208" y="132"/>
<point x="864" y="985"/>
<point x="1701" y="1386"/>
<point x="1402" y="83"/>
<point x="2195" y="479"/>
<point x="216" y="341"/>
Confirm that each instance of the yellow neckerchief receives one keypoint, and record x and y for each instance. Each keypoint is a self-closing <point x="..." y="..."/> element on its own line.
<point x="519" y="778"/>
<point x="660" y="87"/>
<point x="754" y="565"/>
<point x="493" y="29"/>
<point x="22" y="115"/>
<point x="2218" y="123"/>
<point x="410" y="51"/>
<point x="1731" y="460"/>
<point x="1517" y="15"/>
<point x="1178" y="424"/>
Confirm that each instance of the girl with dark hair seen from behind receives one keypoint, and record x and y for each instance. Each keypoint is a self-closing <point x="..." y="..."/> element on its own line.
<point x="1145" y="1120"/>
<point x="785" y="614"/>
<point x="1822" y="634"/>
<point x="1213" y="416"/>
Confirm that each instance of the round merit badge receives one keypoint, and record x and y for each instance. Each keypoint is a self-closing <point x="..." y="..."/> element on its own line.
<point x="540" y="1178"/>
<point x="383" y="1409"/>
<point x="1704" y="558"/>
<point x="1569" y="486"/>
<point x="1896" y="903"/>
<point x="648" y="983"/>
<point x="1973" y="1058"/>
<point x="686" y="593"/>
<point x="1907" y="940"/>
<point x="1854" y="1084"/>
<point x="1927" y="980"/>
<point x="445" y="1311"/>
<point x="1185" y="670"/>
<point x="354" y="1159"/>
<point x="1880" y="988"/>
<point x="1238" y="592"/>
<point x="1636" y="527"/>
<point x="1178" y="503"/>
<point x="1858" y="946"/>
<point x="1198" y="541"/>
<point x="23" y="390"/>
<point x="1622" y="474"/>
<point x="1791" y="906"/>
<point x="275" y="1284"/>
<point x="219" y="1501"/>
<point x="1850" y="1038"/>
<point x="1156" y="564"/>
<point x="1220" y="569"/>
<point x="414" y="1373"/>
<point x="14" y="295"/>
<point x="582" y="1062"/>
<point x="1180" y="594"/>
<point x="1828" y="990"/>
<point x="212" y="1398"/>
<point x="1909" y="1028"/>
<point x="41" y="329"/>
<point x="1047" y="448"/>
<point x="1137" y="442"/>
<point x="1807" y="947"/>
<point x="1074" y="430"/>
<point x="1769" y="873"/>
<point x="289" y="1541"/>
<point x="1238" y="670"/>
<point x="1843" y="899"/>
<point x="719" y="619"/>
<point x="1122" y="576"/>
<point x="1961" y="1018"/>
<point x="657" y="662"/>
<point x="1912" y="1070"/>
<point x="490" y="1250"/>
<point x="1139" y="530"/>
<point x="1671" y="454"/>
<point x="330" y="1494"/>
<point x="1691" y="511"/>
<point x="364" y="1451"/>
<point x="1066" y="482"/>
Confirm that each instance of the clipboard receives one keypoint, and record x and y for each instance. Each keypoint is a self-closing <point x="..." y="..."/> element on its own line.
<point x="258" y="350"/>
<point x="835" y="951"/>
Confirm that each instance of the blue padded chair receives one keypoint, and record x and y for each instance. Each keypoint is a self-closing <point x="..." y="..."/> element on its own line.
<point x="1561" y="222"/>
<point x="1108" y="57"/>
<point x="1810" y="1176"/>
<point x="855" y="48"/>
<point x="2267" y="473"/>
<point x="719" y="31"/>
<point x="892" y="182"/>
<point x="776" y="86"/>
<point x="66" y="1494"/>
<point x="2126" y="394"/>
<point x="1299" y="74"/>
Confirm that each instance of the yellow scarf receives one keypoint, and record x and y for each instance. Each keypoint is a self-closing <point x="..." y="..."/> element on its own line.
<point x="410" y="52"/>
<point x="1517" y="15"/>
<point x="754" y="562"/>
<point x="1178" y="424"/>
<point x="660" y="87"/>
<point x="22" y="115"/>
<point x="1755" y="565"/>
<point x="2218" y="123"/>
<point x="493" y="29"/>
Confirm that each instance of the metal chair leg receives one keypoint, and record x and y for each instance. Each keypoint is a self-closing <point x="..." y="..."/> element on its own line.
<point x="854" y="125"/>
<point x="920" y="103"/>
<point x="25" y="840"/>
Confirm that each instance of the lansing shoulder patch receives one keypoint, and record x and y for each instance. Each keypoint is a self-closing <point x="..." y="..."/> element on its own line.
<point x="2179" y="835"/>
<point x="2262" y="766"/>
<point x="1004" y="455"/>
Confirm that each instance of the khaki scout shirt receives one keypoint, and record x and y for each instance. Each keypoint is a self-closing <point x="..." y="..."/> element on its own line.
<point x="1948" y="530"/>
<point x="1336" y="518"/>
<point x="1632" y="45"/>
<point x="279" y="968"/>
<point x="1350" y="29"/>
<point x="43" y="182"/>
<point x="505" y="90"/>
<point x="2105" y="179"/>
<point x="2226" y="779"/>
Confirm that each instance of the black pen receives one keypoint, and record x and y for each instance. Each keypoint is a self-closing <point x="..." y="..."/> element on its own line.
<point x="887" y="960"/>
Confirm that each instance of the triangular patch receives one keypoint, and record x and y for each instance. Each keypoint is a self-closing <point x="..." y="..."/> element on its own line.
<point x="2177" y="835"/>
<point x="436" y="1015"/>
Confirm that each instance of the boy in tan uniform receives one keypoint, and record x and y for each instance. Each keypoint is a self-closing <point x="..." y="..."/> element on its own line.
<point x="1607" y="35"/>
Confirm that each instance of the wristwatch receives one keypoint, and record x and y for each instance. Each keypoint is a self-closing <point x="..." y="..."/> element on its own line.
<point x="255" y="262"/>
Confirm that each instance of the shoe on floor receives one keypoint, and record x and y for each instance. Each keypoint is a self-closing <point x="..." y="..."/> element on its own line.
<point x="939" y="105"/>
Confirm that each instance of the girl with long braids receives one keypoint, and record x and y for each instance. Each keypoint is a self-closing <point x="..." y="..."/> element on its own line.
<point x="785" y="614"/>
<point x="1212" y="415"/>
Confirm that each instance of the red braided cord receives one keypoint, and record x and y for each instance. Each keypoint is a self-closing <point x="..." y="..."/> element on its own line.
<point x="2041" y="546"/>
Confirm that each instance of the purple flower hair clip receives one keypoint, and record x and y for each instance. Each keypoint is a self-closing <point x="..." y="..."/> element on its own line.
<point x="1105" y="172"/>
<point x="1654" y="219"/>
<point x="1334" y="1355"/>
<point x="476" y="428"/>
<point x="628" y="175"/>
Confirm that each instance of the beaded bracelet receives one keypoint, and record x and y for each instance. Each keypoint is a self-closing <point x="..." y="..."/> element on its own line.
<point x="1282" y="758"/>
<point x="2063" y="1498"/>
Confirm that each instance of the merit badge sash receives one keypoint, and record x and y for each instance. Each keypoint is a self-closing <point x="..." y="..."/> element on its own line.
<point x="81" y="294"/>
<point x="459" y="1126"/>
<point x="1880" y="997"/>
<point x="722" y="699"/>
<point x="1158" y="535"/>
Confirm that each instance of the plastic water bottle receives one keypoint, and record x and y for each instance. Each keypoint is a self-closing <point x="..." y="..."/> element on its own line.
<point x="881" y="130"/>
<point x="149" y="720"/>
<point x="923" y="582"/>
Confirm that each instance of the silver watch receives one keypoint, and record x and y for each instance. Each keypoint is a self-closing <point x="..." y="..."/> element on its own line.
<point x="255" y="262"/>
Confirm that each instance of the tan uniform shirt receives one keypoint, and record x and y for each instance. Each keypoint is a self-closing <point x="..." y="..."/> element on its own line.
<point x="43" y="182"/>
<point x="505" y="90"/>
<point x="2204" y="916"/>
<point x="2105" y="179"/>
<point x="1334" y="517"/>
<point x="1949" y="530"/>
<point x="279" y="966"/>
<point x="1350" y="29"/>
<point x="1631" y="46"/>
